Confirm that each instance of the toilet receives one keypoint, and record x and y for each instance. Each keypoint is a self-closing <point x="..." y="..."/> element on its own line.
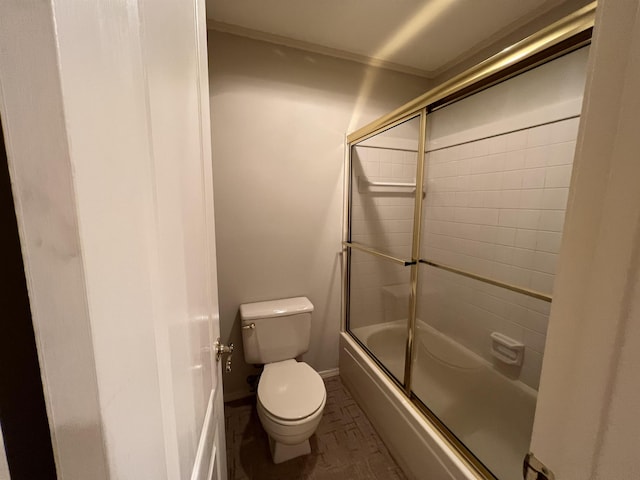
<point x="291" y="394"/>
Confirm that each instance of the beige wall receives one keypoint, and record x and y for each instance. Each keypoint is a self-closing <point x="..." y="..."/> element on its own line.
<point x="279" y="119"/>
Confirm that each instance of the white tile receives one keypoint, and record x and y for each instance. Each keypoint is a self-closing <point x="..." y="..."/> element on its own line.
<point x="492" y="199"/>
<point x="498" y="161"/>
<point x="555" y="198"/>
<point x="483" y="216"/>
<point x="454" y="153"/>
<point x="451" y="169"/>
<point x="505" y="236"/>
<point x="565" y="130"/>
<point x="397" y="170"/>
<point x="531" y="198"/>
<point x="362" y="153"/>
<point x="508" y="218"/>
<point x="462" y="183"/>
<point x="510" y="198"/>
<point x="491" y="304"/>
<point x="542" y="282"/>
<point x="487" y="233"/>
<point x="512" y="179"/>
<point x="442" y="213"/>
<point x="534" y="340"/>
<point x="535" y="321"/>
<point x="461" y="199"/>
<point x="533" y="178"/>
<point x="466" y="150"/>
<point x="523" y="258"/>
<point x="531" y="368"/>
<point x="528" y="219"/>
<point x="561" y="153"/>
<point x="539" y="136"/>
<point x="545" y="262"/>
<point x="514" y="160"/>
<point x="385" y="169"/>
<point x="526" y="239"/>
<point x="482" y="165"/>
<point x="511" y="274"/>
<point x="548" y="241"/>
<point x="410" y="158"/>
<point x="536" y="157"/>
<point x="476" y="199"/>
<point x="498" y="144"/>
<point x="551" y="220"/>
<point x="357" y="212"/>
<point x="486" y="181"/>
<point x="464" y="166"/>
<point x="480" y="147"/>
<point x="433" y="156"/>
<point x="409" y="172"/>
<point x="516" y="140"/>
<point x="559" y="176"/>
<point x="504" y="254"/>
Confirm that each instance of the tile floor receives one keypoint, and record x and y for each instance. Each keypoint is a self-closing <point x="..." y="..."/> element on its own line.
<point x="345" y="446"/>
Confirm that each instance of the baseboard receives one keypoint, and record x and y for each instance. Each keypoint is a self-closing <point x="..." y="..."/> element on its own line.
<point x="332" y="372"/>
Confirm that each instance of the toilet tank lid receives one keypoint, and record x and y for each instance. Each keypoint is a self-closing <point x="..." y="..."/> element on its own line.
<point x="275" y="308"/>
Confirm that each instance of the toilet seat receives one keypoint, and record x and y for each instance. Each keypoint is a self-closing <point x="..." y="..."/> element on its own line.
<point x="291" y="390"/>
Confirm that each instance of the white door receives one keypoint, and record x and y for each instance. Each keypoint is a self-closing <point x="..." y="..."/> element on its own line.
<point x="106" y="106"/>
<point x="587" y="425"/>
<point x="180" y="129"/>
<point x="211" y="461"/>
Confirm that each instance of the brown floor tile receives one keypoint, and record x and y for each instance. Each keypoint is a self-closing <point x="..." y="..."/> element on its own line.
<point x="345" y="446"/>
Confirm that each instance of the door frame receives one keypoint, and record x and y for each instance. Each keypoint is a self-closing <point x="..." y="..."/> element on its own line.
<point x="586" y="424"/>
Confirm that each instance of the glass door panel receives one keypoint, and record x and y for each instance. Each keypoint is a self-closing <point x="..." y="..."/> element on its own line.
<point x="378" y="308"/>
<point x="383" y="178"/>
<point x="497" y="174"/>
<point x="476" y="364"/>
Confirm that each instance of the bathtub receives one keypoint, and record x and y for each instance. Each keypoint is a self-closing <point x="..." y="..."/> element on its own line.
<point x="488" y="412"/>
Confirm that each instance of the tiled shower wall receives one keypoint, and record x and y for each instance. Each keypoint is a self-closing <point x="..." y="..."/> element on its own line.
<point x="383" y="220"/>
<point x="496" y="208"/>
<point x="497" y="171"/>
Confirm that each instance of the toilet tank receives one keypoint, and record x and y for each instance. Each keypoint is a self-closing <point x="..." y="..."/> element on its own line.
<point x="276" y="330"/>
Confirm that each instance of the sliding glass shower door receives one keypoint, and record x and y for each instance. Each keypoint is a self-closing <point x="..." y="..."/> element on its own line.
<point x="383" y="184"/>
<point x="450" y="282"/>
<point x="497" y="170"/>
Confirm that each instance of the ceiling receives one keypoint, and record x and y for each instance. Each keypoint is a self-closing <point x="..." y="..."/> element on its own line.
<point x="423" y="37"/>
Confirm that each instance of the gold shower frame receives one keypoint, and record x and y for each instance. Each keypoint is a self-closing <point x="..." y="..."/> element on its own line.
<point x="559" y="38"/>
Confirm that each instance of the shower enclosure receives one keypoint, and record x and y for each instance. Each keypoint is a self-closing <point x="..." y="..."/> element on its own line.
<point x="454" y="215"/>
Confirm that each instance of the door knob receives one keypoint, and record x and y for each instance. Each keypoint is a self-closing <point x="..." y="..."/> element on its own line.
<point x="222" y="349"/>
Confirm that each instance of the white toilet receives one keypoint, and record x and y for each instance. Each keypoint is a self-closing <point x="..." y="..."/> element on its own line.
<point x="291" y="394"/>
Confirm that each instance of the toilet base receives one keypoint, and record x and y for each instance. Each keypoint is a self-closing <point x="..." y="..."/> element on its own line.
<point x="281" y="452"/>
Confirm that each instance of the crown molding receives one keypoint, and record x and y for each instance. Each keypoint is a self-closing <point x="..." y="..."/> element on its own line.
<point x="315" y="48"/>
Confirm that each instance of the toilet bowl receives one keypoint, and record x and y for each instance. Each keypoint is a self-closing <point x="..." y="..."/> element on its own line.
<point x="291" y="395"/>
<point x="291" y="400"/>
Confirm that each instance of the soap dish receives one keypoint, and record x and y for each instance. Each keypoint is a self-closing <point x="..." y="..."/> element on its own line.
<point x="506" y="349"/>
